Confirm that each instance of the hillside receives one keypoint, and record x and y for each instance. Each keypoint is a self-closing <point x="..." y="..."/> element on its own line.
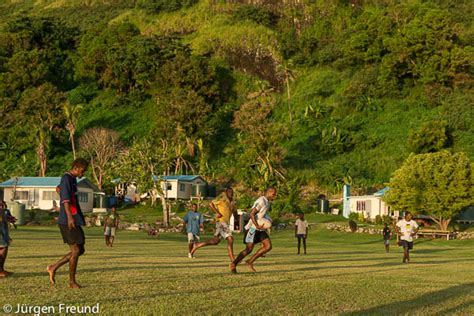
<point x="252" y="92"/>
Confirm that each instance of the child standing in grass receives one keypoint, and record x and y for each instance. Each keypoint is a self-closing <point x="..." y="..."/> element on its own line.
<point x="387" y="234"/>
<point x="110" y="226"/>
<point x="301" y="231"/>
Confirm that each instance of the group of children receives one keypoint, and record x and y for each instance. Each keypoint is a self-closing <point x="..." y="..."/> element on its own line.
<point x="406" y="229"/>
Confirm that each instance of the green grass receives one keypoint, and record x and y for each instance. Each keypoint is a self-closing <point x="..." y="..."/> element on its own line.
<point x="342" y="274"/>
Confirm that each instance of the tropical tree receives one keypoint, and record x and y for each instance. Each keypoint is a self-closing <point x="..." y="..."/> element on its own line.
<point x="40" y="107"/>
<point x="439" y="185"/>
<point x="144" y="162"/>
<point x="101" y="146"/>
<point x="71" y="113"/>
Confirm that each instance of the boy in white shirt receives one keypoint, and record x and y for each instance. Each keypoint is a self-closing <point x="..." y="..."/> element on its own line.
<point x="301" y="231"/>
<point x="406" y="228"/>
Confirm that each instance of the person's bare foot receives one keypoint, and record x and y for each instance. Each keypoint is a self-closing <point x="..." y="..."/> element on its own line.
<point x="233" y="267"/>
<point x="193" y="250"/>
<point x="74" y="285"/>
<point x="4" y="274"/>
<point x="250" y="265"/>
<point x="52" y="274"/>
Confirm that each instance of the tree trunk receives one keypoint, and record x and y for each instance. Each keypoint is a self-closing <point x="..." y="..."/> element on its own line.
<point x="41" y="152"/>
<point x="442" y="222"/>
<point x="166" y="217"/>
<point x="73" y="145"/>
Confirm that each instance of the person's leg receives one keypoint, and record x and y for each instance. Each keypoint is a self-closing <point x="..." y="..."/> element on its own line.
<point x="299" y="244"/>
<point x="107" y="240"/>
<point x="304" y="244"/>
<point x="248" y="249"/>
<point x="112" y="236"/>
<point x="213" y="241"/>
<point x="3" y="258"/>
<point x="54" y="267"/>
<point x="76" y="251"/>
<point x="230" y="248"/>
<point x="266" y="247"/>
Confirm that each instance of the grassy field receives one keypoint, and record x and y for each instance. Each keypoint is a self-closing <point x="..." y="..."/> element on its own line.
<point x="342" y="274"/>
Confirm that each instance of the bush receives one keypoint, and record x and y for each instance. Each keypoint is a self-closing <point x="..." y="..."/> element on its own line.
<point x="354" y="216"/>
<point x="353" y="226"/>
<point x="387" y="219"/>
<point x="378" y="220"/>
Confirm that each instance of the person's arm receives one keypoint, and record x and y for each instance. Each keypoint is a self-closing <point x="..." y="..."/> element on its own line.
<point x="416" y="230"/>
<point x="117" y="220"/>
<point x="397" y="231"/>
<point x="306" y="234"/>
<point x="296" y="229"/>
<point x="213" y="207"/>
<point x="201" y="222"/>
<point x="252" y="218"/>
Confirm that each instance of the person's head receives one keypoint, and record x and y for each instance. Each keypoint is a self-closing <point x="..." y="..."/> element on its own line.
<point x="271" y="193"/>
<point x="113" y="209"/>
<point x="229" y="192"/>
<point x="194" y="207"/>
<point x="3" y="205"/>
<point x="79" y="166"/>
<point x="408" y="216"/>
<point x="301" y="215"/>
<point x="385" y="225"/>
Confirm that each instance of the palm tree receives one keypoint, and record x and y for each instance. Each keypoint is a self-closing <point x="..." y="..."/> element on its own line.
<point x="71" y="113"/>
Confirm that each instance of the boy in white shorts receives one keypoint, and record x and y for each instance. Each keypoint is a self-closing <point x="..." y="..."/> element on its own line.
<point x="194" y="223"/>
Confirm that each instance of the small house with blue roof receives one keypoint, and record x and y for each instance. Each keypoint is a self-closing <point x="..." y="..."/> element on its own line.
<point x="186" y="187"/>
<point x="372" y="205"/>
<point x="40" y="192"/>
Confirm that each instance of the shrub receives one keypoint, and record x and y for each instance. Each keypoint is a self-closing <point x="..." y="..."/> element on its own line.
<point x="353" y="226"/>
<point x="387" y="219"/>
<point x="378" y="220"/>
<point x="354" y="216"/>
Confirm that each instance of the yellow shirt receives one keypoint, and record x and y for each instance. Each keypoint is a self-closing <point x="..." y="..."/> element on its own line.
<point x="225" y="207"/>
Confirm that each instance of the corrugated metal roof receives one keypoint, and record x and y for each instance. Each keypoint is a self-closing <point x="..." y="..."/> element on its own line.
<point x="382" y="191"/>
<point x="179" y="178"/>
<point x="34" y="182"/>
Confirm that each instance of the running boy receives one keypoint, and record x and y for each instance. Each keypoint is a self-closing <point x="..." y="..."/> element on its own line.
<point x="387" y="234"/>
<point x="194" y="223"/>
<point x="406" y="228"/>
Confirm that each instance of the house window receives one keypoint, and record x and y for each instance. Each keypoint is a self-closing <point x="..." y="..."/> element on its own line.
<point x="361" y="205"/>
<point x="167" y="186"/>
<point x="182" y="187"/>
<point x="21" y="195"/>
<point x="83" y="197"/>
<point x="50" y="195"/>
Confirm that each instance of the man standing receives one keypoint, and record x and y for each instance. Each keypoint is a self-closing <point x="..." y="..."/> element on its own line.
<point x="255" y="233"/>
<point x="110" y="226"/>
<point x="194" y="223"/>
<point x="70" y="220"/>
<point x="406" y="228"/>
<point x="224" y="206"/>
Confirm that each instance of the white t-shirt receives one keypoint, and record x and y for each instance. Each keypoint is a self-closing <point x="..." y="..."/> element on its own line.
<point x="301" y="227"/>
<point x="263" y="206"/>
<point x="407" y="228"/>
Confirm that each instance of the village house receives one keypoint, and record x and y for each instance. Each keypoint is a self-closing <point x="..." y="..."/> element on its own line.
<point x="371" y="205"/>
<point x="183" y="187"/>
<point x="40" y="192"/>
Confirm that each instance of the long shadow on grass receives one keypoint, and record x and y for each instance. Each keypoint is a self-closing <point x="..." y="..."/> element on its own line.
<point x="420" y="302"/>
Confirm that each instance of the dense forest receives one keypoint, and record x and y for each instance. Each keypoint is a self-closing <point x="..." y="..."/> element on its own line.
<point x="307" y="95"/>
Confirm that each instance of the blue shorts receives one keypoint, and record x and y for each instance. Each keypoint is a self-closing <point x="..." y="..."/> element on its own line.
<point x="300" y="235"/>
